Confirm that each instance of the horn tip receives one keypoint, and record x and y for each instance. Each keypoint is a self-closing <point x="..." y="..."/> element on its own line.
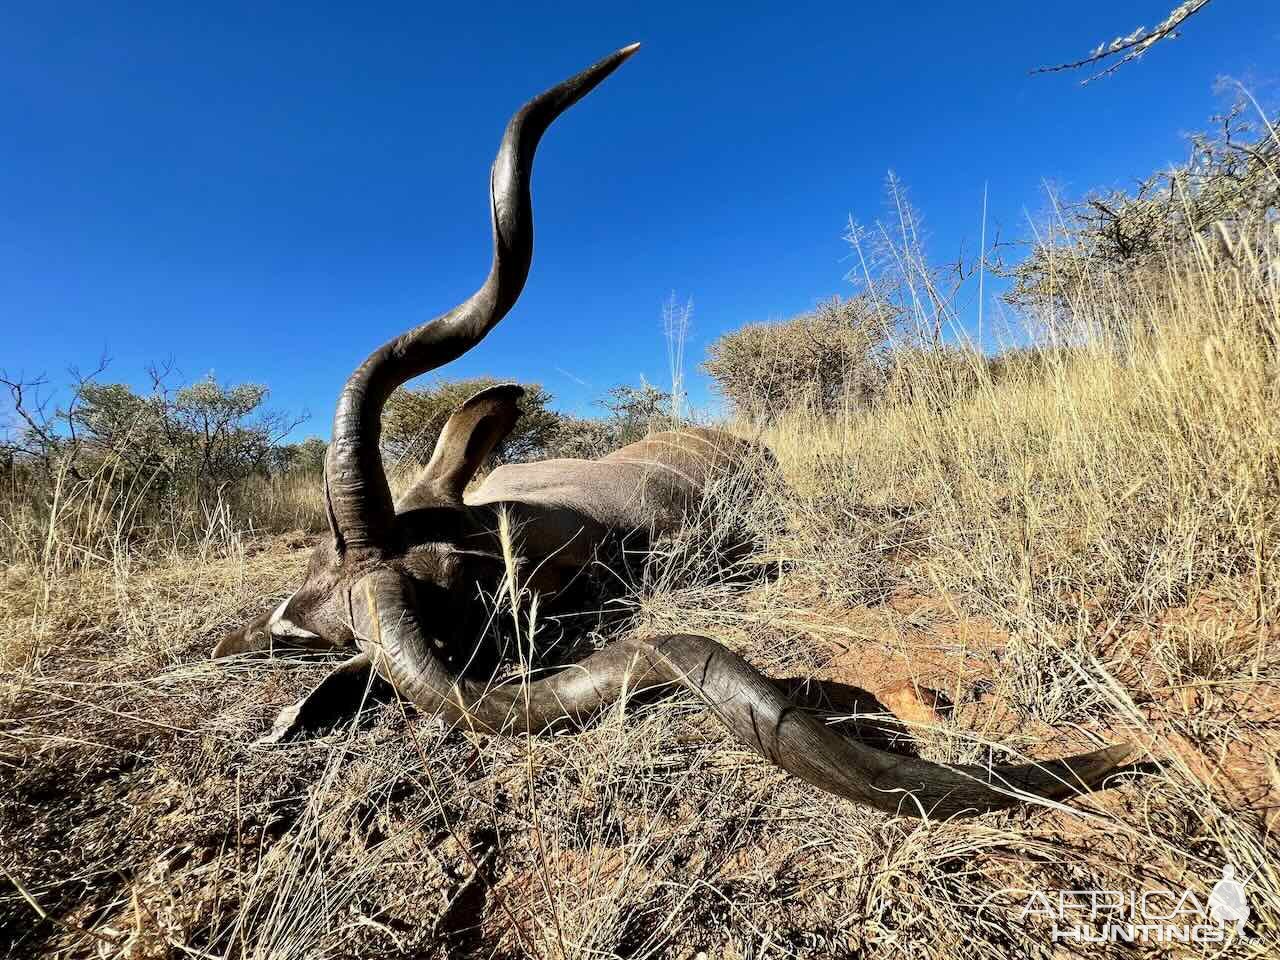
<point x="1104" y="762"/>
<point x="1125" y="753"/>
<point x="629" y="49"/>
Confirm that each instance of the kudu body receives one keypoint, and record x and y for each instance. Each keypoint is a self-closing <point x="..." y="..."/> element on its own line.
<point x="399" y="581"/>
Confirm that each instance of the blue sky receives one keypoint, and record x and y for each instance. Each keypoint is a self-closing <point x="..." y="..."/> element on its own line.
<point x="268" y="191"/>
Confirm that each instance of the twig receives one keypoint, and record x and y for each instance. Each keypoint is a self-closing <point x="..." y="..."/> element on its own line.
<point x="1134" y="45"/>
<point x="57" y="921"/>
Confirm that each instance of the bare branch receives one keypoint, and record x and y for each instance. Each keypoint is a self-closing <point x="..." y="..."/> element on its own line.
<point x="41" y="442"/>
<point x="1133" y="46"/>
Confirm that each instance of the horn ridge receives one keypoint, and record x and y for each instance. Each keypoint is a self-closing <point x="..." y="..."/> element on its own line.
<point x="356" y="483"/>
<point x="750" y="705"/>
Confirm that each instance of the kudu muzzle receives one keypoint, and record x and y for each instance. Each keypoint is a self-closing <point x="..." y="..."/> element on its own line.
<point x="253" y="637"/>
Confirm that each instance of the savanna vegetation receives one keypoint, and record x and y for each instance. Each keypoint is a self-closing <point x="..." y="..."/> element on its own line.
<point x="1073" y="539"/>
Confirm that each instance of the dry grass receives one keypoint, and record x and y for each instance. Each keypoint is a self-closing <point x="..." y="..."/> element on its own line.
<point x="57" y="527"/>
<point x="1083" y="550"/>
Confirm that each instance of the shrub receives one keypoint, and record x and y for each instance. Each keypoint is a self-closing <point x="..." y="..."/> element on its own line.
<point x="162" y="468"/>
<point x="1109" y="244"/>
<point x="635" y="412"/>
<point x="306" y="458"/>
<point x="412" y="421"/>
<point x="191" y="440"/>
<point x="583" y="438"/>
<point x="632" y="413"/>
<point x="825" y="359"/>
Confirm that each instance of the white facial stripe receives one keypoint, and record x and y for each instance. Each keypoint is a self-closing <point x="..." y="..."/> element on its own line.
<point x="278" y="614"/>
<point x="282" y="627"/>
<point x="287" y="628"/>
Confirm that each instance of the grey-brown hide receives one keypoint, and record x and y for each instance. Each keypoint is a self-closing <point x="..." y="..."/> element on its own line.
<point x="563" y="514"/>
<point x="566" y="510"/>
<point x="566" y="513"/>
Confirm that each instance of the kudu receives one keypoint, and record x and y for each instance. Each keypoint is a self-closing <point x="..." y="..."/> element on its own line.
<point x="398" y="581"/>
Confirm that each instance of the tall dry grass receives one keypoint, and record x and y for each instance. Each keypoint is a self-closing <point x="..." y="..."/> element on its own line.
<point x="1114" y="505"/>
<point x="1135" y="464"/>
<point x="56" y="525"/>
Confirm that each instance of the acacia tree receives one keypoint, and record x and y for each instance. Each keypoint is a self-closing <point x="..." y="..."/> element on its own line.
<point x="204" y="434"/>
<point x="194" y="438"/>
<point x="31" y="433"/>
<point x="1223" y="197"/>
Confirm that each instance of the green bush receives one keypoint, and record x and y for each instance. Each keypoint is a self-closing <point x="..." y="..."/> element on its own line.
<point x="633" y="412"/>
<point x="583" y="438"/>
<point x="306" y="458"/>
<point x="162" y="466"/>
<point x="196" y="438"/>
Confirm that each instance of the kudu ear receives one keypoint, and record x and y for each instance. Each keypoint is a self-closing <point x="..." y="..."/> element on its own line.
<point x="467" y="440"/>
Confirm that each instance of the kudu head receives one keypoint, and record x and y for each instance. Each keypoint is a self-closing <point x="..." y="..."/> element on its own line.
<point x="436" y="549"/>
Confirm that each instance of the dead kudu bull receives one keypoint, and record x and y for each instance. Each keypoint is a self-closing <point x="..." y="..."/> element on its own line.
<point x="398" y="580"/>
